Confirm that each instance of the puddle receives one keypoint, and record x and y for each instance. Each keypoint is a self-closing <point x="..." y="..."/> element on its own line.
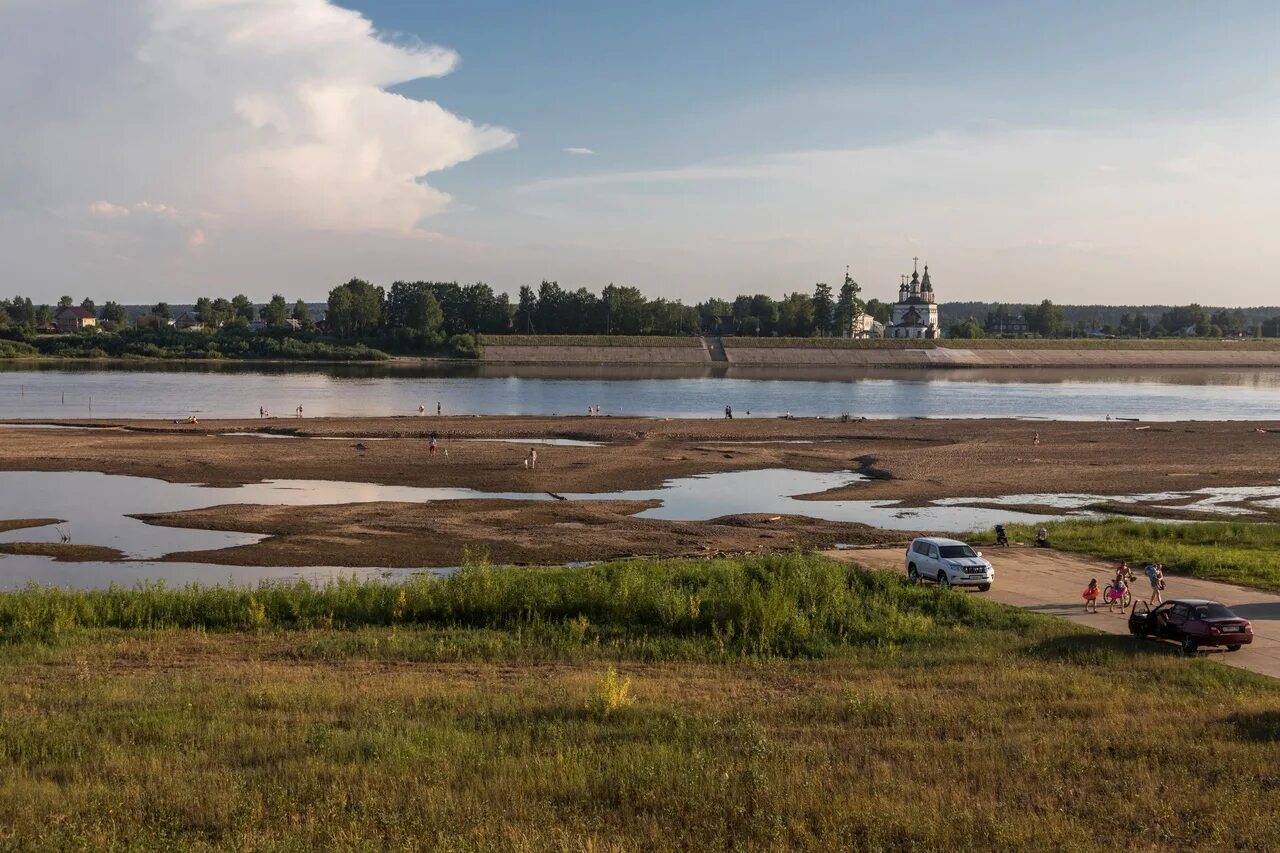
<point x="63" y="426"/>
<point x="1218" y="500"/>
<point x="96" y="508"/>
<point x="16" y="572"/>
<point x="555" y="442"/>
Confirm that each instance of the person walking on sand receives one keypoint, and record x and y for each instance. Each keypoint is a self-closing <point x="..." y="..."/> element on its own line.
<point x="1155" y="574"/>
<point x="1091" y="593"/>
<point x="728" y="412"/>
<point x="1036" y="440"/>
<point x="299" y="411"/>
<point x="533" y="459"/>
<point x="431" y="446"/>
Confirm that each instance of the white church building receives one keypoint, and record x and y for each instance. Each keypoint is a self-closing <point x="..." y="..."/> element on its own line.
<point x="915" y="314"/>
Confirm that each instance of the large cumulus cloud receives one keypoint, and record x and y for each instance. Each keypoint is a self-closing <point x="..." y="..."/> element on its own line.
<point x="167" y="122"/>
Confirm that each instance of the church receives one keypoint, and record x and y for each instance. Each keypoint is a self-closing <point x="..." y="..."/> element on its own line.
<point x="915" y="314"/>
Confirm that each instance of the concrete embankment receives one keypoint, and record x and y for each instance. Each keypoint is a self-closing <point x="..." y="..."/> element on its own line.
<point x="700" y="355"/>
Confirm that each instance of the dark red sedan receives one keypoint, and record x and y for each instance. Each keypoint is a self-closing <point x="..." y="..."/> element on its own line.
<point x="1193" y="622"/>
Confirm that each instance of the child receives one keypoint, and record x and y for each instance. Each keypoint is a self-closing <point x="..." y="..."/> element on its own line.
<point x="1091" y="597"/>
<point x="1118" y="590"/>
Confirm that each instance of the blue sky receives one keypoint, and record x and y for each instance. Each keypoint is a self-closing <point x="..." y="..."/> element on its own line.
<point x="1083" y="151"/>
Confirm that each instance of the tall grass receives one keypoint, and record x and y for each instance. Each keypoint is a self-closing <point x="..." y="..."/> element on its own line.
<point x="590" y="341"/>
<point x="794" y="605"/>
<point x="1240" y="552"/>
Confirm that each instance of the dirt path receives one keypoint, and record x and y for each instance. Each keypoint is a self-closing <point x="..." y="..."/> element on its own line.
<point x="1051" y="581"/>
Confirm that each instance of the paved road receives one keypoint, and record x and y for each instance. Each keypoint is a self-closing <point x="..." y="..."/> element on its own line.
<point x="1051" y="582"/>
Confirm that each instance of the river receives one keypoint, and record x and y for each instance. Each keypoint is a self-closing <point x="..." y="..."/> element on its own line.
<point x="123" y="390"/>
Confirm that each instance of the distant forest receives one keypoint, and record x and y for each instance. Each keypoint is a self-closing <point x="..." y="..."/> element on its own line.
<point x="1097" y="316"/>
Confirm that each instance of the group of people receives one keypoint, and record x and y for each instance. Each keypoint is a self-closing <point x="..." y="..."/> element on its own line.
<point x="422" y="410"/>
<point x="1115" y="592"/>
<point x="263" y="413"/>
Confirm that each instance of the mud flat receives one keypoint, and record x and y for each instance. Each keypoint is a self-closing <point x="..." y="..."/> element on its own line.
<point x="914" y="462"/>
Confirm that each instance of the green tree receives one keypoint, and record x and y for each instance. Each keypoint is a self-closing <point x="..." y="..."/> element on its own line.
<point x="114" y="313"/>
<point x="424" y="317"/>
<point x="355" y="309"/>
<point x="848" y="306"/>
<point x="527" y="310"/>
<point x="824" y="309"/>
<point x="879" y="311"/>
<point x="65" y="302"/>
<point x="1046" y="319"/>
<point x="222" y="311"/>
<point x="796" y="316"/>
<point x="88" y="305"/>
<point x="623" y="309"/>
<point x="550" y="318"/>
<point x="242" y="308"/>
<point x="302" y="313"/>
<point x="44" y="314"/>
<point x="204" y="311"/>
<point x="275" y="312"/>
<point x="162" y="311"/>
<point x="970" y="328"/>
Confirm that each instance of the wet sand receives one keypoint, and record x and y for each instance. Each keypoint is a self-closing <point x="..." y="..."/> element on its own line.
<point x="910" y="460"/>
<point x="449" y="533"/>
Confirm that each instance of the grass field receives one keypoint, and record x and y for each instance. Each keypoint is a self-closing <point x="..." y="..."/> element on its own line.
<point x="589" y="341"/>
<point x="1239" y="552"/>
<point x="779" y="703"/>
<point x="880" y="343"/>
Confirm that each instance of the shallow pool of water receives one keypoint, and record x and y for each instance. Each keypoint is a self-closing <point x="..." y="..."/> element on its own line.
<point x="96" y="509"/>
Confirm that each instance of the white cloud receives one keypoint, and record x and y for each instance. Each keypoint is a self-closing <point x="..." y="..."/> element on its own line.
<point x="226" y="115"/>
<point x="583" y="151"/>
<point x="107" y="210"/>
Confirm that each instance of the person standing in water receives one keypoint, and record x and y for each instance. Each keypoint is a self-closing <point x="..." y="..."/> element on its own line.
<point x="437" y="408"/>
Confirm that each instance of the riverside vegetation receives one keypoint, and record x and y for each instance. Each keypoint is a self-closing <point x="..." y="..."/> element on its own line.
<point x="1233" y="551"/>
<point x="785" y="702"/>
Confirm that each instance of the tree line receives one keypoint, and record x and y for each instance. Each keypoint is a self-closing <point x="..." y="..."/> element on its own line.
<point x="1047" y="320"/>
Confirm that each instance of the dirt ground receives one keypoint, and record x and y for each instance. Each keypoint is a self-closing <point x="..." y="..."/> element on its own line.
<point x="445" y="533"/>
<point x="1051" y="582"/>
<point x="909" y="460"/>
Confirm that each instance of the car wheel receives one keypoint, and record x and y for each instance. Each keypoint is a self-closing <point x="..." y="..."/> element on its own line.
<point x="944" y="582"/>
<point x="1189" y="646"/>
<point x="913" y="574"/>
<point x="984" y="587"/>
<point x="1234" y="648"/>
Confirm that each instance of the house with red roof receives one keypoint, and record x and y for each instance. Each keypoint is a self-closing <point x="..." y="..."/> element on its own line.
<point x="73" y="318"/>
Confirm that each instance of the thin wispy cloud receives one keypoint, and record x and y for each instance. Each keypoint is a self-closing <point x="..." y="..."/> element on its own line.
<point x="587" y="152"/>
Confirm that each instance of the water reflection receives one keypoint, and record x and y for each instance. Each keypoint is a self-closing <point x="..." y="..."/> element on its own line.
<point x="175" y="391"/>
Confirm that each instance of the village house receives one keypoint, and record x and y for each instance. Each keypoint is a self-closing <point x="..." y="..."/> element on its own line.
<point x="74" y="318"/>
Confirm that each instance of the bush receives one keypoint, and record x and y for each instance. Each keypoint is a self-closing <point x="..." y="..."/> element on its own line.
<point x="465" y="346"/>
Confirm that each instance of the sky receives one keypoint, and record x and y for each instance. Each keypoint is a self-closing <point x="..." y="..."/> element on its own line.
<point x="1118" y="152"/>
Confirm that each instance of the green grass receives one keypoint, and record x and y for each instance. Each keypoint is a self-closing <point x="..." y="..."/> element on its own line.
<point x="1003" y="343"/>
<point x="794" y="606"/>
<point x="589" y="341"/>
<point x="616" y="713"/>
<point x="1239" y="552"/>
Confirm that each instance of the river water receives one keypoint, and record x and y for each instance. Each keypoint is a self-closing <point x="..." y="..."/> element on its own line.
<point x="173" y="391"/>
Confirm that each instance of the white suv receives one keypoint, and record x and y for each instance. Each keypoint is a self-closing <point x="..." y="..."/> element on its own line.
<point x="948" y="562"/>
